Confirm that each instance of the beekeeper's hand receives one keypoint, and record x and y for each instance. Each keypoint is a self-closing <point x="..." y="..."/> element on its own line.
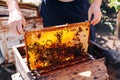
<point x="16" y="19"/>
<point x="16" y="22"/>
<point x="94" y="12"/>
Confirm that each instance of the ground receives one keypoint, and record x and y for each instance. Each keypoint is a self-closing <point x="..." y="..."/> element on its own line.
<point x="105" y="30"/>
<point x="106" y="38"/>
<point x="5" y="73"/>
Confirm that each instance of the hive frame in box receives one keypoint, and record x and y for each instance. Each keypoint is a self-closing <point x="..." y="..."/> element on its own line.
<point x="56" y="46"/>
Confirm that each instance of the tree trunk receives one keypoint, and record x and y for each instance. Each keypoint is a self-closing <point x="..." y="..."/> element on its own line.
<point x="117" y="27"/>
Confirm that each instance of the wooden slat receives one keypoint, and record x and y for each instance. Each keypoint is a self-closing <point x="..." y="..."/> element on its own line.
<point x="21" y="5"/>
<point x="21" y="66"/>
<point x="16" y="76"/>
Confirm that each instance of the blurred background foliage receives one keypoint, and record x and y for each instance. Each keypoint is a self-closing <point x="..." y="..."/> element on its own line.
<point x="109" y="11"/>
<point x="115" y="4"/>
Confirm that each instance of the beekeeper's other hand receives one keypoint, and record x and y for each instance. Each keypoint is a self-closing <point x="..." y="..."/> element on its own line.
<point x="94" y="12"/>
<point x="16" y="19"/>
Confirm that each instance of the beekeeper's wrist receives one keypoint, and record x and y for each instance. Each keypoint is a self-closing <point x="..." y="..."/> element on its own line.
<point x="13" y="5"/>
<point x="96" y="3"/>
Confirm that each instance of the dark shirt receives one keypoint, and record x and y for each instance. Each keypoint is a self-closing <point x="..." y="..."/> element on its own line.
<point x="69" y="12"/>
<point x="55" y="12"/>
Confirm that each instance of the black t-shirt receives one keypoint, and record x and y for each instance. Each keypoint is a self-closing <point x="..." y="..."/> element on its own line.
<point x="64" y="12"/>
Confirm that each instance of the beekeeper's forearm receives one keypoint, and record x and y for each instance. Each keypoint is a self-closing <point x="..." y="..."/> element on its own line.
<point x="97" y="2"/>
<point x="12" y="5"/>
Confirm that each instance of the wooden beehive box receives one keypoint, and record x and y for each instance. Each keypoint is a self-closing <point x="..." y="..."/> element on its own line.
<point x="92" y="69"/>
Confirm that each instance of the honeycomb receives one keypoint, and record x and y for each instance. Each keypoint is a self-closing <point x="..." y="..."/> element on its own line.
<point x="56" y="44"/>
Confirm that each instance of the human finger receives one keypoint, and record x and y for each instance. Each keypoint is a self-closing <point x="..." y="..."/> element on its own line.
<point x="23" y="23"/>
<point x="13" y="27"/>
<point x="89" y="15"/>
<point x="97" y="19"/>
<point x="19" y="28"/>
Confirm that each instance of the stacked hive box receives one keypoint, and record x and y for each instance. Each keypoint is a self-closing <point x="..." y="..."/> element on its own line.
<point x="9" y="38"/>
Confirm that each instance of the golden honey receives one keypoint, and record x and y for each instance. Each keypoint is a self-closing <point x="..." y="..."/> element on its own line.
<point x="56" y="45"/>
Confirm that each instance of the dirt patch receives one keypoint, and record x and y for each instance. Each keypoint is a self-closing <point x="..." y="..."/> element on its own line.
<point x="106" y="38"/>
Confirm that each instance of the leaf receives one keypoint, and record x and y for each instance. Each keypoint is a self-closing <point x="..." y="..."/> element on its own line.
<point x="118" y="7"/>
<point x="115" y="4"/>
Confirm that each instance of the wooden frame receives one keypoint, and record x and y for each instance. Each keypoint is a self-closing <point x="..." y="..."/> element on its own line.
<point x="26" y="6"/>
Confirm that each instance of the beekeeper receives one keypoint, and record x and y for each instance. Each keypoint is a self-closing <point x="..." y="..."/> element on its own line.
<point x="58" y="12"/>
